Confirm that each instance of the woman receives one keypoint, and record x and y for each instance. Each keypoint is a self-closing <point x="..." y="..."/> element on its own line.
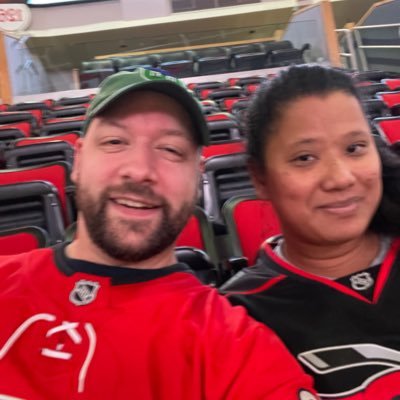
<point x="330" y="285"/>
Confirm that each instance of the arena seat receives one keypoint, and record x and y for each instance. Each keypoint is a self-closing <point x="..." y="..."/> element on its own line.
<point x="178" y="63"/>
<point x="33" y="203"/>
<point x="72" y="101"/>
<point x="375" y="108"/>
<point x="250" y="221"/>
<point x="8" y="135"/>
<point x="38" y="154"/>
<point x="369" y="90"/>
<point x="21" y="240"/>
<point x="225" y="176"/>
<point x="68" y="111"/>
<point x="247" y="80"/>
<point x="199" y="86"/>
<point x="58" y="174"/>
<point x="389" y="98"/>
<point x="133" y="62"/>
<point x="30" y="105"/>
<point x="212" y="60"/>
<point x="284" y="57"/>
<point x="16" y="117"/>
<point x="392" y="84"/>
<point x="248" y="57"/>
<point x="224" y="93"/>
<point x="69" y="137"/>
<point x="228" y="103"/>
<point x="93" y="72"/>
<point x="235" y="146"/>
<point x="209" y="107"/>
<point x="62" y="125"/>
<point x="388" y="128"/>
<point x="219" y="116"/>
<point x="223" y="130"/>
<point x="199" y="261"/>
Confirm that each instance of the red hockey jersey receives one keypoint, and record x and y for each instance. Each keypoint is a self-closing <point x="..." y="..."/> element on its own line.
<point x="75" y="330"/>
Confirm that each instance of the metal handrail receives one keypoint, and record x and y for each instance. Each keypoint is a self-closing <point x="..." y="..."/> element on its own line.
<point x="376" y="26"/>
<point x="350" y="45"/>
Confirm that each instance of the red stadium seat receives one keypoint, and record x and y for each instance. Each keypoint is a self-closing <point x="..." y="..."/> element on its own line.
<point x="392" y="84"/>
<point x="227" y="104"/>
<point x="21" y="240"/>
<point x="237" y="146"/>
<point x="24" y="127"/>
<point x="388" y="128"/>
<point x="56" y="173"/>
<point x="389" y="98"/>
<point x="70" y="137"/>
<point x="198" y="233"/>
<point x="219" y="116"/>
<point x="250" y="222"/>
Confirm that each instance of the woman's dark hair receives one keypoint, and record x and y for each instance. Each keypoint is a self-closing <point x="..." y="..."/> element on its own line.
<point x="296" y="82"/>
<point x="274" y="96"/>
<point x="387" y="217"/>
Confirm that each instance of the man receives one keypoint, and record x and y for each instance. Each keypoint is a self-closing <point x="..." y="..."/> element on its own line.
<point x="112" y="315"/>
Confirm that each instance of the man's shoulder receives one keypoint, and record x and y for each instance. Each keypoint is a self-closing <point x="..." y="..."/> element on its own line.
<point x="19" y="263"/>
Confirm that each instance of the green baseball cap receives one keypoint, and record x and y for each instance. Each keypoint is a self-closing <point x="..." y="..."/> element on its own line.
<point x="114" y="86"/>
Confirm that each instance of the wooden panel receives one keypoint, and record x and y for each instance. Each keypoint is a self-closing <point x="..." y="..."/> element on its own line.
<point x="5" y="85"/>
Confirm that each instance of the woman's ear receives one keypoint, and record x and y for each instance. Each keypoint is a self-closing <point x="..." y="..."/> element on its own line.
<point x="258" y="179"/>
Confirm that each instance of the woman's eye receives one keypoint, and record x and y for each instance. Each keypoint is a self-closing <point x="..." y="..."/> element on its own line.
<point x="303" y="159"/>
<point x="356" y="148"/>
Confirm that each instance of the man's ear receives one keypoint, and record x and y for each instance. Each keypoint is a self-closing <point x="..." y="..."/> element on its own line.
<point x="258" y="179"/>
<point x="202" y="164"/>
<point x="77" y="160"/>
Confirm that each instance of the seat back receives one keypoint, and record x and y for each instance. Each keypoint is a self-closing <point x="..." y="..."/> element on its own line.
<point x="198" y="233"/>
<point x="57" y="174"/>
<point x="388" y="128"/>
<point x="222" y="131"/>
<point x="33" y="203"/>
<point x="389" y="98"/>
<point x="225" y="176"/>
<point x="21" y="240"/>
<point x="199" y="262"/>
<point x="250" y="221"/>
<point x="38" y="154"/>
<point x="70" y="137"/>
<point x="237" y="146"/>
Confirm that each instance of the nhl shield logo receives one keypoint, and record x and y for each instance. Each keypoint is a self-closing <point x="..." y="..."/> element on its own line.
<point x="84" y="292"/>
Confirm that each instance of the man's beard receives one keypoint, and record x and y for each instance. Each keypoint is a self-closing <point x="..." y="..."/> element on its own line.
<point x="109" y="235"/>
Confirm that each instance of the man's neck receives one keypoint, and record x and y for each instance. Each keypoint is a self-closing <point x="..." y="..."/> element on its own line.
<point x="333" y="261"/>
<point x="86" y="250"/>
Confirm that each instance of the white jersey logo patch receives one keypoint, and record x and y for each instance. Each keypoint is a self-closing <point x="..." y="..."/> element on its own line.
<point x="361" y="281"/>
<point x="84" y="292"/>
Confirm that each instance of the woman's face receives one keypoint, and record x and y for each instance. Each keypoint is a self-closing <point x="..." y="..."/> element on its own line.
<point x="322" y="170"/>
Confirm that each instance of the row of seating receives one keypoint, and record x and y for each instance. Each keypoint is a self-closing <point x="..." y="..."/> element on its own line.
<point x="230" y="223"/>
<point x="202" y="61"/>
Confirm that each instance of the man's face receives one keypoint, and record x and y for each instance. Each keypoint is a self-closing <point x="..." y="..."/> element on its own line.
<point x="137" y="173"/>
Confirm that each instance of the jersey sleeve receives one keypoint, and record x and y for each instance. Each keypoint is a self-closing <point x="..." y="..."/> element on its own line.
<point x="246" y="360"/>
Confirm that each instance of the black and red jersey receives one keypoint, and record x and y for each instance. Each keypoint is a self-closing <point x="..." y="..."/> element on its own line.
<point x="75" y="330"/>
<point x="348" y="341"/>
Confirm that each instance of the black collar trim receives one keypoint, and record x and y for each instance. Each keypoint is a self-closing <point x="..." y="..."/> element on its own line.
<point x="118" y="275"/>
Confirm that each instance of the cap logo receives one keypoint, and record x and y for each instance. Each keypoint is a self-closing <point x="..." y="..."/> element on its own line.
<point x="151" y="75"/>
<point x="84" y="292"/>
